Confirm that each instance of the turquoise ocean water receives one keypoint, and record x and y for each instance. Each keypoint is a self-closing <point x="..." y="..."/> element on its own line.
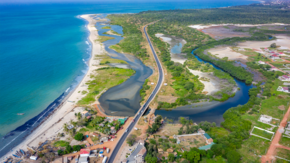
<point x="43" y="50"/>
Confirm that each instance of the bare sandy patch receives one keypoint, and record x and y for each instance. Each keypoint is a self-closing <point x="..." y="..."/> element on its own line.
<point x="282" y="40"/>
<point x="169" y="99"/>
<point x="211" y="86"/>
<point x="201" y="26"/>
<point x="222" y="52"/>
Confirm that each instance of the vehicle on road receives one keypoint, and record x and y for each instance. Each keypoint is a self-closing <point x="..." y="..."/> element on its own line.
<point x="126" y="130"/>
<point x="105" y="159"/>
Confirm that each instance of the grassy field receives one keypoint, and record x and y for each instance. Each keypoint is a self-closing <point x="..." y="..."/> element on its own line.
<point x="117" y="48"/>
<point x="106" y="27"/>
<point x="104" y="38"/>
<point x="218" y="132"/>
<point x="270" y="106"/>
<point x="254" y="119"/>
<point x="104" y="79"/>
<point x="252" y="148"/>
<point x="262" y="133"/>
<point x="285" y="141"/>
<point x="284" y="153"/>
<point x="110" y="32"/>
<point x="107" y="60"/>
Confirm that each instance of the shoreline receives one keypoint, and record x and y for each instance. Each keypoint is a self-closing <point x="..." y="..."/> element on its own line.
<point x="52" y="124"/>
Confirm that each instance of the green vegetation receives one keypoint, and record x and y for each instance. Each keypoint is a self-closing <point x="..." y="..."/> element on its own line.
<point x="262" y="133"/>
<point x="61" y="143"/>
<point x="79" y="137"/>
<point x="104" y="38"/>
<point x="285" y="141"/>
<point x="110" y="32"/>
<point x="117" y="48"/>
<point x="131" y="139"/>
<point x="132" y="36"/>
<point x="105" y="78"/>
<point x="143" y="90"/>
<point x="155" y="126"/>
<point x="106" y="27"/>
<point x="284" y="153"/>
<point x="236" y="143"/>
<point x="107" y="60"/>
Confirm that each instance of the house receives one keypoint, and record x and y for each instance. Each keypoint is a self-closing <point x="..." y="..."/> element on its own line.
<point x="138" y="155"/>
<point x="142" y="153"/>
<point x="160" y="150"/>
<point x="85" y="152"/>
<point x="96" y="135"/>
<point x="273" y="68"/>
<point x="85" y="113"/>
<point x="208" y="139"/>
<point x="288" y="126"/>
<point x="101" y="125"/>
<point x="284" y="78"/>
<point x="274" y="56"/>
<point x="113" y="131"/>
<point x="261" y="62"/>
<point x="265" y="119"/>
<point x="70" y="127"/>
<point x="283" y="89"/>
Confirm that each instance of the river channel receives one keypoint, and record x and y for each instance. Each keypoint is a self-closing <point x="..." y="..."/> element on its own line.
<point x="204" y="111"/>
<point x="123" y="99"/>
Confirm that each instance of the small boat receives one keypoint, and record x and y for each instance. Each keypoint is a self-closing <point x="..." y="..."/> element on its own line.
<point x="15" y="155"/>
<point x="20" y="113"/>
<point x="22" y="151"/>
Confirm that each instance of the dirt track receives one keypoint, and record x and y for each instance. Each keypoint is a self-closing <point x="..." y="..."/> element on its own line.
<point x="275" y="142"/>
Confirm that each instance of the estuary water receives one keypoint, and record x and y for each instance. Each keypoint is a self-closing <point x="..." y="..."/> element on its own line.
<point x="44" y="50"/>
<point x="206" y="111"/>
<point x="123" y="99"/>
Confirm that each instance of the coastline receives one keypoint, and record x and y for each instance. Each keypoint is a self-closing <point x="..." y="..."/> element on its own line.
<point x="53" y="123"/>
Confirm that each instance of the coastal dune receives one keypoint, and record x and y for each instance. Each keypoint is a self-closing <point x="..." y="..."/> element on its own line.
<point x="49" y="129"/>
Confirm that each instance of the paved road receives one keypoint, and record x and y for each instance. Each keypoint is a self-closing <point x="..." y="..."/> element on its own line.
<point x="144" y="107"/>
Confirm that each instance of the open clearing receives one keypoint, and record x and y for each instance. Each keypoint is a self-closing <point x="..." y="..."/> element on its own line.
<point x="222" y="52"/>
<point x="282" y="40"/>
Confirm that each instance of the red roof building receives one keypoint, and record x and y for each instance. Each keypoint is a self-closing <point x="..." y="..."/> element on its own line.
<point x="85" y="152"/>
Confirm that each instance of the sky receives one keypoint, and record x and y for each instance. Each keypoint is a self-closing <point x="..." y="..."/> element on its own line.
<point x="84" y="1"/>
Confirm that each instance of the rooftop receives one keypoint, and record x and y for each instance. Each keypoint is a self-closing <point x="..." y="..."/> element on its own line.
<point x="207" y="136"/>
<point x="206" y="147"/>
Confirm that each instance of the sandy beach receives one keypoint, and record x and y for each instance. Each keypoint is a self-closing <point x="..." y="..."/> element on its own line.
<point x="49" y="129"/>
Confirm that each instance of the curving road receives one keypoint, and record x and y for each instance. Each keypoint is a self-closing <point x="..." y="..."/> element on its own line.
<point x="145" y="106"/>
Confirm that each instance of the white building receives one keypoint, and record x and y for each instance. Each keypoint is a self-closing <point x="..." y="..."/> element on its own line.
<point x="283" y="89"/>
<point x="265" y="119"/>
<point x="284" y="78"/>
<point x="261" y="63"/>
